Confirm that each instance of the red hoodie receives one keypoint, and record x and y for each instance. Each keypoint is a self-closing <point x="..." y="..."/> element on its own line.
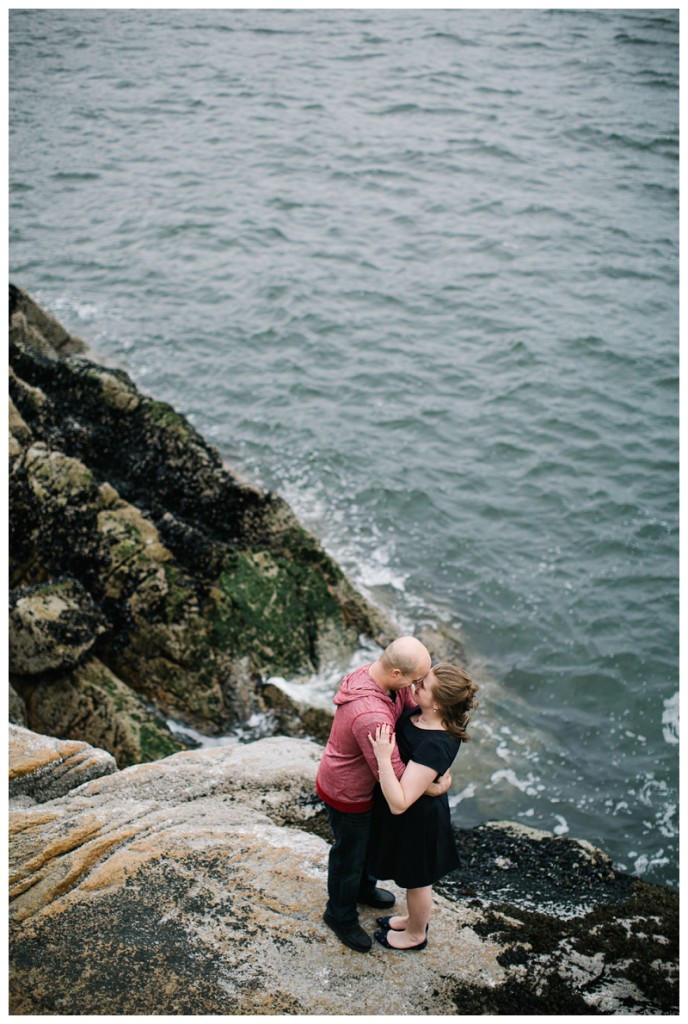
<point x="348" y="768"/>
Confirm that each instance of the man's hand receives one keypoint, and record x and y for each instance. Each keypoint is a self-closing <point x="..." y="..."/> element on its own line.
<point x="438" y="788"/>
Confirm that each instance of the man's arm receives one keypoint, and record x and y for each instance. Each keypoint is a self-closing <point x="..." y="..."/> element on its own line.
<point x="438" y="788"/>
<point x="367" y="723"/>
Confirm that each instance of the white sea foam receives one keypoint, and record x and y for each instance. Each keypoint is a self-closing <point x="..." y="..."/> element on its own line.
<point x="181" y="730"/>
<point x="667" y="821"/>
<point x="65" y="305"/>
<point x="319" y="689"/>
<point x="466" y="793"/>
<point x="644" y="862"/>
<point x="562" y="828"/>
<point x="369" y="559"/>
<point x="316" y="691"/>
<point x="259" y="724"/>
<point x="378" y="572"/>
<point x="530" y="785"/>
<point x="651" y="790"/>
<point x="503" y="750"/>
<point x="670" y="716"/>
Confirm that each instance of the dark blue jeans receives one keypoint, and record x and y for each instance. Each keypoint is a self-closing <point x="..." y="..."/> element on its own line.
<point x="347" y="869"/>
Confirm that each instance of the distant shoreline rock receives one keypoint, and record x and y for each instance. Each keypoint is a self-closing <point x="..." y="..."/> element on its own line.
<point x="196" y="885"/>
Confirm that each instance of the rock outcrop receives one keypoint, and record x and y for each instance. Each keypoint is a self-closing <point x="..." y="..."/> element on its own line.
<point x="146" y="575"/>
<point x="149" y="581"/>
<point x="51" y="627"/>
<point x="196" y="884"/>
<point x="44" y="768"/>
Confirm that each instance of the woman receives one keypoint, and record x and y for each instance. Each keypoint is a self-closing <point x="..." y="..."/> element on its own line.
<point x="412" y="840"/>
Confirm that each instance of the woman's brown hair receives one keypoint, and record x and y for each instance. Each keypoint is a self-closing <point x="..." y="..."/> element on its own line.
<point x="454" y="693"/>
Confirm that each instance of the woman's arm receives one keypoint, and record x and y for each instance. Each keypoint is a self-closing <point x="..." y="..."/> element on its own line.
<point x="399" y="793"/>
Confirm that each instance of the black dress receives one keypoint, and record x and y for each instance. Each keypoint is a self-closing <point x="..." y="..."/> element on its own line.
<point x="416" y="848"/>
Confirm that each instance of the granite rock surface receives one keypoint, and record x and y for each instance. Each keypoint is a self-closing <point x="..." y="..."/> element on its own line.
<point x="196" y="885"/>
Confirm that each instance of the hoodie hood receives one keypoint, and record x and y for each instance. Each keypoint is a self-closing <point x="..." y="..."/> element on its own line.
<point x="358" y="684"/>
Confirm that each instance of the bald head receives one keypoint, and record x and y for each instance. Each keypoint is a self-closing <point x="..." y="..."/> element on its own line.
<point x="405" y="661"/>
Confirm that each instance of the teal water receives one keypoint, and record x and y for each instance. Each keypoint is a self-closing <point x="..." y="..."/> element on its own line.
<point x="417" y="271"/>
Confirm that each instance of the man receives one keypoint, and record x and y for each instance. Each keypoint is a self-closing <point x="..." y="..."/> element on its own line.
<point x="348" y="773"/>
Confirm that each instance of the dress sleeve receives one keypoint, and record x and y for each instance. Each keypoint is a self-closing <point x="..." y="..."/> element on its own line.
<point x="436" y="751"/>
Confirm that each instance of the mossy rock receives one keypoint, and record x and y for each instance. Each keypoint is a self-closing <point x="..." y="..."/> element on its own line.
<point x="51" y="626"/>
<point x="93" y="705"/>
<point x="206" y="582"/>
<point x="274" y="607"/>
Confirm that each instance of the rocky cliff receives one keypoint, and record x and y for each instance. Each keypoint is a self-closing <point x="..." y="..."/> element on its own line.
<point x="196" y="885"/>
<point x="148" y="580"/>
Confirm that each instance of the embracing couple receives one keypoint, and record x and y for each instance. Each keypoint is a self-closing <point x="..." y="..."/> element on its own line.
<point x="384" y="777"/>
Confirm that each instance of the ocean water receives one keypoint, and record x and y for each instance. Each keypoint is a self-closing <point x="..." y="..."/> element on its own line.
<point x="416" y="271"/>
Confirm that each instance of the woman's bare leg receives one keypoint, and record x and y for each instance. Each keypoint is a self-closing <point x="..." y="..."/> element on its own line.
<point x="419" y="903"/>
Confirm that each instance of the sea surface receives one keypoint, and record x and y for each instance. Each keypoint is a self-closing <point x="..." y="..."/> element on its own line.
<point x="416" y="271"/>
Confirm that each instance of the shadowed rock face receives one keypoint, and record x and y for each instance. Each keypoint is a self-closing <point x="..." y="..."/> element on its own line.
<point x="197" y="583"/>
<point x="51" y="627"/>
<point x="196" y="885"/>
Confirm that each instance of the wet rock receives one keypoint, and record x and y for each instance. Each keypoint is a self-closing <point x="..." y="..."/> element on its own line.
<point x="92" y="704"/>
<point x="17" y="707"/>
<point x="51" y="626"/>
<point x="512" y="863"/>
<point x="206" y="584"/>
<point x="39" y="328"/>
<point x="443" y="641"/>
<point x="18" y="428"/>
<point x="579" y="937"/>
<point x="297" y="717"/>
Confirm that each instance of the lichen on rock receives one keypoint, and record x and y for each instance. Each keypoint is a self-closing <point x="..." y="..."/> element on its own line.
<point x="92" y="704"/>
<point x="204" y="584"/>
<point x="44" y="768"/>
<point x="196" y="885"/>
<point x="189" y="886"/>
<point x="51" y="626"/>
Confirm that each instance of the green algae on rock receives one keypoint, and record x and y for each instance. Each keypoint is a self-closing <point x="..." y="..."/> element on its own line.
<point x="94" y="705"/>
<point x="204" y="583"/>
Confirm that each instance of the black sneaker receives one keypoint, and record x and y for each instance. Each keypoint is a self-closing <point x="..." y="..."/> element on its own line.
<point x="352" y="935"/>
<point x="383" y="899"/>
